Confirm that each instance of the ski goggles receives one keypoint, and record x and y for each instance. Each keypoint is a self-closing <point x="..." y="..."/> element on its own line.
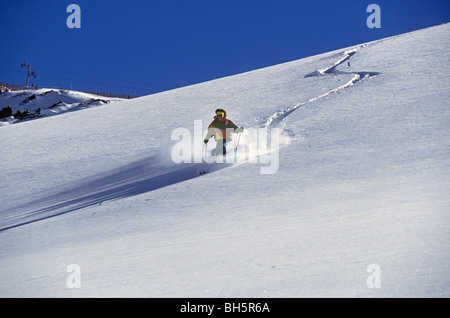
<point x="221" y="114"/>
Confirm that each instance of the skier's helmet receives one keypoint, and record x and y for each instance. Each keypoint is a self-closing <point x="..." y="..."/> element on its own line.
<point x="222" y="112"/>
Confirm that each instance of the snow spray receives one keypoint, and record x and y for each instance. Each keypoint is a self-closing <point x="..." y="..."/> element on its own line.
<point x="258" y="145"/>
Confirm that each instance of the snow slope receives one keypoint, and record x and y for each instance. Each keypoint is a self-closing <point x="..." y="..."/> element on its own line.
<point x="46" y="102"/>
<point x="363" y="179"/>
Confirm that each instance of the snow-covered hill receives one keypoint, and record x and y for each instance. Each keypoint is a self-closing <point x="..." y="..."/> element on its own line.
<point x="37" y="103"/>
<point x="359" y="200"/>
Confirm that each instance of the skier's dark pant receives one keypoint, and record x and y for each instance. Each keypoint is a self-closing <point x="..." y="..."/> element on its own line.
<point x="221" y="147"/>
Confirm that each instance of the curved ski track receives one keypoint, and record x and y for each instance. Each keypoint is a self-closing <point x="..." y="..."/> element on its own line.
<point x="280" y="115"/>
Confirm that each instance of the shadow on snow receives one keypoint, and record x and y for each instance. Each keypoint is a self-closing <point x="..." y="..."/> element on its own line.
<point x="136" y="178"/>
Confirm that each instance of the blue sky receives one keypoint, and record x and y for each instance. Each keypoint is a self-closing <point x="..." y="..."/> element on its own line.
<point x="144" y="47"/>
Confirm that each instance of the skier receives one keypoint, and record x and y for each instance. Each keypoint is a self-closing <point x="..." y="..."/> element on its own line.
<point x="221" y="128"/>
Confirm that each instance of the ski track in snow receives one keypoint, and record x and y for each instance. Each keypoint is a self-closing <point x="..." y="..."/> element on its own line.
<point x="145" y="176"/>
<point x="282" y="114"/>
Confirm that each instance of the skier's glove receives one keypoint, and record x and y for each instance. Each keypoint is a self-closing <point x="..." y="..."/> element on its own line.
<point x="239" y="130"/>
<point x="205" y="141"/>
